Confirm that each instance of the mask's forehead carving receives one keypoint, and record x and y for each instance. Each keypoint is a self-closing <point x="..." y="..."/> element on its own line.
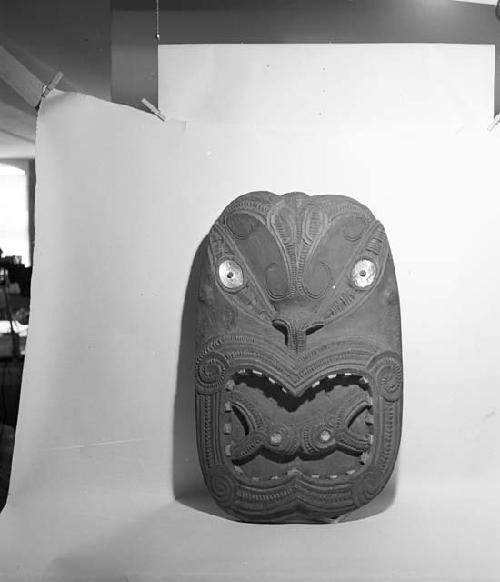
<point x="299" y="348"/>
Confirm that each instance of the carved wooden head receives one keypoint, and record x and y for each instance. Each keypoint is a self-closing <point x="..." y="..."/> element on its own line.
<point x="298" y="373"/>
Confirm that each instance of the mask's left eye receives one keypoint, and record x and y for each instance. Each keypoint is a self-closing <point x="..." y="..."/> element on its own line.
<point x="230" y="274"/>
<point x="363" y="273"/>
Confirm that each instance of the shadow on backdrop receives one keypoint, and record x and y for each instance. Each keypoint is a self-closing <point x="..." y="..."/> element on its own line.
<point x="189" y="488"/>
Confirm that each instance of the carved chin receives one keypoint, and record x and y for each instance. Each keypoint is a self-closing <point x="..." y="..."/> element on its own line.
<point x="323" y="433"/>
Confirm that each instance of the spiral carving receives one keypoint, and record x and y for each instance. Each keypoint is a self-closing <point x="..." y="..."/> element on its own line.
<point x="221" y="485"/>
<point x="210" y="372"/>
<point x="366" y="487"/>
<point x="390" y="379"/>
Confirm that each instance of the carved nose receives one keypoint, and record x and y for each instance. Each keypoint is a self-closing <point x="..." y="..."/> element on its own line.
<point x="296" y="332"/>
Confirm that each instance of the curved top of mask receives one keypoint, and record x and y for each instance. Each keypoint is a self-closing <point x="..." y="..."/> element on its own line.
<point x="316" y="257"/>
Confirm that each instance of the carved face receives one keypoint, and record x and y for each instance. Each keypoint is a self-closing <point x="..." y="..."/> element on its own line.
<point x="298" y="372"/>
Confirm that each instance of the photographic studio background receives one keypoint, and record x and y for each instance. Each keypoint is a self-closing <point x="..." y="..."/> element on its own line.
<point x="105" y="481"/>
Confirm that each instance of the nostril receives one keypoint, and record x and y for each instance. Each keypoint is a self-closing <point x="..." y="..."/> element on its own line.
<point x="313" y="328"/>
<point x="295" y="336"/>
<point x="283" y="328"/>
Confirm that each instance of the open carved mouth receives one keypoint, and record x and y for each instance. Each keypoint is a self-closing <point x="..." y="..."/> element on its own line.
<point x="324" y="433"/>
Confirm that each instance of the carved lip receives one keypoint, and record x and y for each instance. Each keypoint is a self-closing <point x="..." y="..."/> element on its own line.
<point x="323" y="381"/>
<point x="226" y="356"/>
<point x="296" y="387"/>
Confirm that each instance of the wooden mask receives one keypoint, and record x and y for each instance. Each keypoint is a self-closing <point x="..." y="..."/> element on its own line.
<point x="299" y="377"/>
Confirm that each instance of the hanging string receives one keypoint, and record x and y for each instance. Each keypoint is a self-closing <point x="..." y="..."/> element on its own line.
<point x="157" y="35"/>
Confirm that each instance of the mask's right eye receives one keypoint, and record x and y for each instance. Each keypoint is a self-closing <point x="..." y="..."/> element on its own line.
<point x="231" y="275"/>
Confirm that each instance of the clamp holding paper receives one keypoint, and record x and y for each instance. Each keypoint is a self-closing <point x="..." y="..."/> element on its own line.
<point x="48" y="88"/>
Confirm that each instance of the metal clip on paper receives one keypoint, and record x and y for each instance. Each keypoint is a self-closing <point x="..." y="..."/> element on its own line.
<point x="494" y="123"/>
<point x="154" y="110"/>
<point x="48" y="88"/>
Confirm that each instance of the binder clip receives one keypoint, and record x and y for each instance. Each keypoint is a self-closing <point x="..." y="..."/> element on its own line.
<point x="48" y="88"/>
<point x="494" y="123"/>
<point x="154" y="110"/>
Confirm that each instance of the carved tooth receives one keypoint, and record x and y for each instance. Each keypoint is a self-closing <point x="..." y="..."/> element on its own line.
<point x="274" y="477"/>
<point x="238" y="469"/>
<point x="227" y="450"/>
<point x="227" y="428"/>
<point x="333" y="476"/>
<point x="315" y="476"/>
<point x="363" y="380"/>
<point x="347" y="374"/>
<point x="257" y="373"/>
<point x="364" y="458"/>
<point x="370" y="400"/>
<point x="293" y="471"/>
<point x="272" y="380"/>
<point x="227" y="407"/>
<point x="230" y="385"/>
<point x="255" y="478"/>
<point x="331" y="376"/>
<point x="315" y="384"/>
<point x="371" y="438"/>
<point x="283" y="389"/>
<point x="369" y="418"/>
<point x="350" y="472"/>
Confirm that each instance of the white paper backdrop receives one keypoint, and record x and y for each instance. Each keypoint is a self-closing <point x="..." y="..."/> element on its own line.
<point x="345" y="88"/>
<point x="105" y="435"/>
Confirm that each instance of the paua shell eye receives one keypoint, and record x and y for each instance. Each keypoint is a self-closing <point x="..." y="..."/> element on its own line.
<point x="363" y="273"/>
<point x="230" y="274"/>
